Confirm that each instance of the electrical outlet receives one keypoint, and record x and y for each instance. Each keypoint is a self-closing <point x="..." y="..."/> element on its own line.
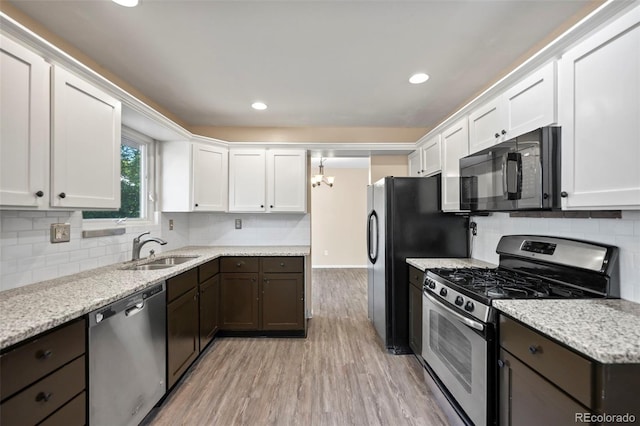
<point x="326" y="252"/>
<point x="170" y="224"/>
<point x="238" y="223"/>
<point x="60" y="232"/>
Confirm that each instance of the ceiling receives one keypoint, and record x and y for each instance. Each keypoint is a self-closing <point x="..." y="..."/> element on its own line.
<point x="314" y="63"/>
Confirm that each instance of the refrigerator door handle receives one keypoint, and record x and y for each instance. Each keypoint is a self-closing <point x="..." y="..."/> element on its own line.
<point x="371" y="253"/>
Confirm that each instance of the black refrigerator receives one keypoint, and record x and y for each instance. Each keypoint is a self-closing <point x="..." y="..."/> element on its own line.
<point x="405" y="221"/>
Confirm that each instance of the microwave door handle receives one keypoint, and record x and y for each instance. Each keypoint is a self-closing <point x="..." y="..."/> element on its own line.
<point x="466" y="321"/>
<point x="509" y="160"/>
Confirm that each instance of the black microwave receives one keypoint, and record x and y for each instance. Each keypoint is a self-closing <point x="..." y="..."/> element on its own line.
<point x="520" y="174"/>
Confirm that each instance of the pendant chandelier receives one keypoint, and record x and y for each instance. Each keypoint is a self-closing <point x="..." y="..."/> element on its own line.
<point x="317" y="180"/>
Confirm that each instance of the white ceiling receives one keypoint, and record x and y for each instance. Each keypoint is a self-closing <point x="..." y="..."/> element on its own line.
<point x="315" y="63"/>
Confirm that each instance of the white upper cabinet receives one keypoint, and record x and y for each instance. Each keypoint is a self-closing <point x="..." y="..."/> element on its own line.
<point x="194" y="177"/>
<point x="247" y="180"/>
<point x="24" y="127"/>
<point x="267" y="180"/>
<point x="455" y="145"/>
<point x="287" y="180"/>
<point x="432" y="156"/>
<point x="525" y="106"/>
<point x="600" y="117"/>
<point x="415" y="163"/>
<point x="85" y="148"/>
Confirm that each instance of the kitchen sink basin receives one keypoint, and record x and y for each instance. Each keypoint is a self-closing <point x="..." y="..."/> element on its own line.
<point x="161" y="263"/>
<point x="170" y="260"/>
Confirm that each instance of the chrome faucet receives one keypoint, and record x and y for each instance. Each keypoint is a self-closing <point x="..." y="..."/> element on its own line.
<point x="137" y="245"/>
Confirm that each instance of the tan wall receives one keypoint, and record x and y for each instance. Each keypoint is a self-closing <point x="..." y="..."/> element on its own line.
<point x="339" y="219"/>
<point x="312" y="134"/>
<point x="387" y="165"/>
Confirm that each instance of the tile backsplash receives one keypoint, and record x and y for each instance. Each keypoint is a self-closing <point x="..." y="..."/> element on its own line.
<point x="27" y="256"/>
<point x="623" y="233"/>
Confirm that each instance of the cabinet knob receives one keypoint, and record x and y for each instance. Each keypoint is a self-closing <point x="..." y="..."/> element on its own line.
<point x="39" y="194"/>
<point x="43" y="396"/>
<point x="239" y="264"/>
<point x="196" y="204"/>
<point x="497" y="135"/>
<point x="44" y="354"/>
<point x="534" y="349"/>
<point x="62" y="195"/>
<point x="419" y="171"/>
<point x="500" y="363"/>
<point x="271" y="206"/>
<point x="504" y="132"/>
<point x="282" y="264"/>
<point x="545" y="196"/>
<point x="262" y="206"/>
<point x="253" y="279"/>
<point x="564" y="194"/>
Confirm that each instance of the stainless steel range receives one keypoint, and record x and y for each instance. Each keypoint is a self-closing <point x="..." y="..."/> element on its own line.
<point x="459" y="345"/>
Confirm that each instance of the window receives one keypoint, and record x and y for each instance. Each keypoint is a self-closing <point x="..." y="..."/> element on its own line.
<point x="135" y="182"/>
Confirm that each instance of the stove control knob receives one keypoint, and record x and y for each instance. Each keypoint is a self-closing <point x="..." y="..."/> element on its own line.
<point x="459" y="300"/>
<point x="443" y="292"/>
<point x="469" y="306"/>
<point x="432" y="284"/>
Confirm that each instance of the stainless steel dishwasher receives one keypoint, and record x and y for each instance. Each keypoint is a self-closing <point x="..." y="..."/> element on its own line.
<point x="127" y="358"/>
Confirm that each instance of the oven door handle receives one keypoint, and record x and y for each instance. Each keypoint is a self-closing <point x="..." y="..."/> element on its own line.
<point x="466" y="321"/>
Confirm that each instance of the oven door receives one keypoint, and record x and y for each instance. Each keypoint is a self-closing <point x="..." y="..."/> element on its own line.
<point x="456" y="349"/>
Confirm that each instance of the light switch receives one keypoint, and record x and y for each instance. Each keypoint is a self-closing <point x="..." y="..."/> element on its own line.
<point x="60" y="232"/>
<point x="238" y="223"/>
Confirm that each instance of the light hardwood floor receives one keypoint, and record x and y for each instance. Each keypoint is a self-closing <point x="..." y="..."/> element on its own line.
<point x="338" y="375"/>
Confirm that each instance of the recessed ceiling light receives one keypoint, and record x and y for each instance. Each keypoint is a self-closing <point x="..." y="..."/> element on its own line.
<point x="259" y="106"/>
<point x="126" y="3"/>
<point x="418" y="78"/>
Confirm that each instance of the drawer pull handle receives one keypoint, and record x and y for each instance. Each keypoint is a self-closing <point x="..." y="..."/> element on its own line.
<point x="282" y="264"/>
<point x="534" y="349"/>
<point x="43" y="396"/>
<point x="46" y="354"/>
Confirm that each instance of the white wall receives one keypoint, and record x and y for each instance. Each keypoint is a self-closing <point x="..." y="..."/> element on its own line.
<point x="27" y="256"/>
<point x="340" y="220"/>
<point x="623" y="233"/>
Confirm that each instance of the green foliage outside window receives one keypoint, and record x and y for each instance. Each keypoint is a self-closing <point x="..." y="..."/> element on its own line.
<point x="130" y="187"/>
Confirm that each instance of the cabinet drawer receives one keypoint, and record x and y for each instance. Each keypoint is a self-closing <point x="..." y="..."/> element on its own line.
<point x="565" y="368"/>
<point x="282" y="264"/>
<point x="240" y="264"/>
<point x="42" y="398"/>
<point x="208" y="270"/>
<point x="415" y="276"/>
<point x="31" y="361"/>
<point x="182" y="283"/>
<point x="72" y="414"/>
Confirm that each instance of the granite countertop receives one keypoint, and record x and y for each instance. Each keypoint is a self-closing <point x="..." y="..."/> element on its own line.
<point x="33" y="309"/>
<point x="607" y="330"/>
<point x="424" y="264"/>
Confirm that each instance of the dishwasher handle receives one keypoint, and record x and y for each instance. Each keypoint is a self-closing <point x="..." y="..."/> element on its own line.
<point x="134" y="309"/>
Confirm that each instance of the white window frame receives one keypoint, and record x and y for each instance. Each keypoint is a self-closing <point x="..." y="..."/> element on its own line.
<point x="147" y="217"/>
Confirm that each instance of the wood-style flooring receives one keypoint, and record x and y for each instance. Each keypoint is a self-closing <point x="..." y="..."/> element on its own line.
<point x="338" y="375"/>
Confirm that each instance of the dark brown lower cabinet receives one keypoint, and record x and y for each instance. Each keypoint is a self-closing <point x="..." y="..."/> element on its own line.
<point x="239" y="301"/>
<point x="415" y="319"/>
<point x="209" y="307"/>
<point x="282" y="302"/>
<point x="183" y="336"/>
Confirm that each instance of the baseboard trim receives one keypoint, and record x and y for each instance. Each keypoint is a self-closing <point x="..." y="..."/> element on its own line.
<point x="338" y="266"/>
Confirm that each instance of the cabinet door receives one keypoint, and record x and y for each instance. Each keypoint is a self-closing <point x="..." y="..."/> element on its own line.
<point x="182" y="335"/>
<point x="209" y="307"/>
<point x="600" y="112"/>
<point x="455" y="141"/>
<point x="287" y="180"/>
<point x="247" y="180"/>
<point x="526" y="398"/>
<point x="24" y="126"/>
<point x="282" y="302"/>
<point x="530" y="103"/>
<point x="415" y="164"/>
<point x="415" y="319"/>
<point x="486" y="125"/>
<point x="239" y="301"/>
<point x="432" y="156"/>
<point x="210" y="178"/>
<point x="85" y="146"/>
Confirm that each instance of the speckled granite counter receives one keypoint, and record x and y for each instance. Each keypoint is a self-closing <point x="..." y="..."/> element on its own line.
<point x="606" y="330"/>
<point x="424" y="264"/>
<point x="33" y="309"/>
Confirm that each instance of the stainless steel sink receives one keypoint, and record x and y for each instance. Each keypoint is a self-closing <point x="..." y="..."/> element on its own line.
<point x="161" y="263"/>
<point x="171" y="260"/>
